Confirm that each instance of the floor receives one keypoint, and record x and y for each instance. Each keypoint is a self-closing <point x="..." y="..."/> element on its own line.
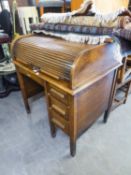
<point x="26" y="147"/>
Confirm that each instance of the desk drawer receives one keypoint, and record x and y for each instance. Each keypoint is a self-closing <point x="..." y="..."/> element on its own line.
<point x="59" y="107"/>
<point x="58" y="94"/>
<point x="59" y="121"/>
<point x="31" y="74"/>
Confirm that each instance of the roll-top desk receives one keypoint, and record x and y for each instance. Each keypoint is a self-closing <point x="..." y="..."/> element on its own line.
<point x="78" y="80"/>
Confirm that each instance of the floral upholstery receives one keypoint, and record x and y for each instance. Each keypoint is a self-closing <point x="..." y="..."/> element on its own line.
<point x="123" y="33"/>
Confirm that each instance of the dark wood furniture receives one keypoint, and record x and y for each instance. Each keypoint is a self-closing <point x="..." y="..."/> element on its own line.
<point x="129" y="6"/>
<point x="123" y="83"/>
<point x="50" y="6"/>
<point x="78" y="80"/>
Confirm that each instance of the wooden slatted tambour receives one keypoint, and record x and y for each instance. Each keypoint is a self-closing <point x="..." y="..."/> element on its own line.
<point x="78" y="79"/>
<point x="59" y="66"/>
<point x="61" y="59"/>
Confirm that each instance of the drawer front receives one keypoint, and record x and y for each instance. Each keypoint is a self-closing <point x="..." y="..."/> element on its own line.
<point x="58" y="94"/>
<point x="30" y="74"/>
<point x="59" y="121"/>
<point x="59" y="107"/>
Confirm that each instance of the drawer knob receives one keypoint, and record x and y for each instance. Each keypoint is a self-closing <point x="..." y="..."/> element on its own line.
<point x="57" y="93"/>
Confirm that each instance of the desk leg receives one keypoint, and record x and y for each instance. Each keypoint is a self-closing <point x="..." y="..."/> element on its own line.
<point x="53" y="129"/>
<point x="73" y="125"/>
<point x="72" y="147"/>
<point x="113" y="92"/>
<point x="2" y="88"/>
<point x="127" y="92"/>
<point x="52" y="125"/>
<point x="63" y="9"/>
<point x="23" y="90"/>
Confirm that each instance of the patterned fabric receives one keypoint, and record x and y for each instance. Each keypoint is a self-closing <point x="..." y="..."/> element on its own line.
<point x="123" y="33"/>
<point x="78" y="38"/>
<point x="61" y="17"/>
<point x="124" y="21"/>
<point x="98" y="21"/>
<point x="72" y="29"/>
<point x="87" y="16"/>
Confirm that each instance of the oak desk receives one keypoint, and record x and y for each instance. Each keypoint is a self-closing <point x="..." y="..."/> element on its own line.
<point x="78" y="80"/>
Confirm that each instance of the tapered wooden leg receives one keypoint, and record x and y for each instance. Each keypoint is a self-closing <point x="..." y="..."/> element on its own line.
<point x="73" y="126"/>
<point x="63" y="9"/>
<point x="112" y="96"/>
<point x="106" y="115"/>
<point x="41" y="11"/>
<point x="52" y="125"/>
<point x="27" y="107"/>
<point x="72" y="147"/>
<point x="127" y="92"/>
<point x="53" y="129"/>
<point x="23" y="91"/>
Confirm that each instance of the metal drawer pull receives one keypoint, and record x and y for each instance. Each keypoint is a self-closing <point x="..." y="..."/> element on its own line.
<point x="57" y="93"/>
<point x="56" y="108"/>
<point x="58" y="123"/>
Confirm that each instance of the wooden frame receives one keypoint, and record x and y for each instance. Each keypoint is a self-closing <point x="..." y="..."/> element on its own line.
<point x="123" y="84"/>
<point x="42" y="8"/>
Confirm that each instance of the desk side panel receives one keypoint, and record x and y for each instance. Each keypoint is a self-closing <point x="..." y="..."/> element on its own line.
<point x="93" y="102"/>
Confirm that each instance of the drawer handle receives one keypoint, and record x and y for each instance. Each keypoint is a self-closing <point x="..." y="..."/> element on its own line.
<point x="57" y="93"/>
<point x="56" y="108"/>
<point x="58" y="123"/>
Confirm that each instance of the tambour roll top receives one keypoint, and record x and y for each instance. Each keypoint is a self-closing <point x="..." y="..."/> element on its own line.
<point x="77" y="64"/>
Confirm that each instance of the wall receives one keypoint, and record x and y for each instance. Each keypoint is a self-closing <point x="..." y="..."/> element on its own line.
<point x="112" y="5"/>
<point x="103" y="5"/>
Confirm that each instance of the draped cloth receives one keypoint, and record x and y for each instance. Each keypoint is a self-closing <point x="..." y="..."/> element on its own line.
<point x="74" y="26"/>
<point x="88" y="15"/>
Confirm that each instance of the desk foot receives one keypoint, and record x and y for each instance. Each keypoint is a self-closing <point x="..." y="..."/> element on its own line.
<point x="27" y="107"/>
<point x="28" y="111"/>
<point x="72" y="148"/>
<point x="26" y="103"/>
<point x="106" y="115"/>
<point x="53" y="130"/>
